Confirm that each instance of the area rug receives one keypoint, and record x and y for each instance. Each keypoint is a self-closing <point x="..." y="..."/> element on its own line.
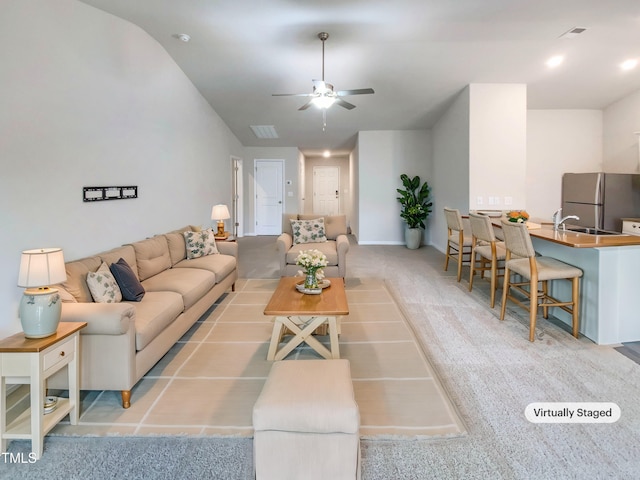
<point x="209" y="381"/>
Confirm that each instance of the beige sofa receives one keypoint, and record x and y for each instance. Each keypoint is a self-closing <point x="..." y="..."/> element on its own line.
<point x="335" y="248"/>
<point x="122" y="341"/>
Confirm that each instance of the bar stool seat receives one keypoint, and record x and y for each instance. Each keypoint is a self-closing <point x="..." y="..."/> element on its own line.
<point x="458" y="241"/>
<point x="536" y="269"/>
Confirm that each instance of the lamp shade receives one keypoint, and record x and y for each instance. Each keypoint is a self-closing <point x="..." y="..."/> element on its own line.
<point x="41" y="267"/>
<point x="220" y="212"/>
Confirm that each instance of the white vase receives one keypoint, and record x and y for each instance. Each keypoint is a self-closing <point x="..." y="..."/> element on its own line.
<point x="413" y="237"/>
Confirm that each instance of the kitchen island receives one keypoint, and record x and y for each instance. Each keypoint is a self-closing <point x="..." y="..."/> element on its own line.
<point x="611" y="264"/>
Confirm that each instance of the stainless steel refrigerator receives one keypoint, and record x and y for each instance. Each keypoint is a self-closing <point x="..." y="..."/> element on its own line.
<point x="601" y="200"/>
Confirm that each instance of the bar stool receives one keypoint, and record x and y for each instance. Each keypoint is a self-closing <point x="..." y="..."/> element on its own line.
<point x="492" y="253"/>
<point x="536" y="269"/>
<point x="458" y="244"/>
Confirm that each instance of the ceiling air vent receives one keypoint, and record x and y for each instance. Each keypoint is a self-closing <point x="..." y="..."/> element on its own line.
<point x="574" y="32"/>
<point x="264" y="131"/>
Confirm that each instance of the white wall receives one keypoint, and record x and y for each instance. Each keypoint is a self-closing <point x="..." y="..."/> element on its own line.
<point x="450" y="185"/>
<point x="354" y="177"/>
<point x="89" y="99"/>
<point x="291" y="157"/>
<point x="382" y="157"/>
<point x="559" y="141"/>
<point x="621" y="121"/>
<point x="497" y="146"/>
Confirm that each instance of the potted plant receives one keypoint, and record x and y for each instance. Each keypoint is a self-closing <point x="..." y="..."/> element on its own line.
<point x="416" y="207"/>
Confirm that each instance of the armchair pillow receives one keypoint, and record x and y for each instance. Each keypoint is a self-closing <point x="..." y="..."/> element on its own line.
<point x="308" y="231"/>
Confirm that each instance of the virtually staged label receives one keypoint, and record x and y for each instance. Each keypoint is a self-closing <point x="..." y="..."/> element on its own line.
<point x="572" y="412"/>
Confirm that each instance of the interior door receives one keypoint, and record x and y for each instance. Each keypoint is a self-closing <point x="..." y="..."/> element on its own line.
<point x="268" y="188"/>
<point x="326" y="190"/>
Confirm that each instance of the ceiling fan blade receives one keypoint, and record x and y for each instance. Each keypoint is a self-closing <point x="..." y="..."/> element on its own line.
<point x="292" y="94"/>
<point x="358" y="91"/>
<point x="342" y="103"/>
<point x="306" y="105"/>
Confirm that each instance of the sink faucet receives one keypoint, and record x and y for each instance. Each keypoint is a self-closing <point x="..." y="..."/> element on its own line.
<point x="559" y="220"/>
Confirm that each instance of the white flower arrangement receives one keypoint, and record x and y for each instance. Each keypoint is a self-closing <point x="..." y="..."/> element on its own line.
<point x="311" y="260"/>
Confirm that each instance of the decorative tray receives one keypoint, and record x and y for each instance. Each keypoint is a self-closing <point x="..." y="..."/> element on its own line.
<point x="312" y="291"/>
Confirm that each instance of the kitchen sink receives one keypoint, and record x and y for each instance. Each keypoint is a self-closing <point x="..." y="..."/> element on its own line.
<point x="591" y="230"/>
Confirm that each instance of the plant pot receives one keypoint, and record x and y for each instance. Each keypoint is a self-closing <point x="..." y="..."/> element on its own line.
<point x="413" y="237"/>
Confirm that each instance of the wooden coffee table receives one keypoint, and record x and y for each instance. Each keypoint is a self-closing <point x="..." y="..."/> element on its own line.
<point x="303" y="314"/>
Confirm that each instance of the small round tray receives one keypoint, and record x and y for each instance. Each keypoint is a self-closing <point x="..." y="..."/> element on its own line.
<point x="324" y="283"/>
<point x="50" y="404"/>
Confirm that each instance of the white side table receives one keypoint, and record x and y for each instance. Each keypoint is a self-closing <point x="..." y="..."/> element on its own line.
<point x="32" y="361"/>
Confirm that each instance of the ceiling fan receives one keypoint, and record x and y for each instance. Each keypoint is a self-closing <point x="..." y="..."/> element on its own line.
<point x="323" y="95"/>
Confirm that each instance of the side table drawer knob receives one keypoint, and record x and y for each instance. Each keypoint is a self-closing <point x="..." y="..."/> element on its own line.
<point x="62" y="353"/>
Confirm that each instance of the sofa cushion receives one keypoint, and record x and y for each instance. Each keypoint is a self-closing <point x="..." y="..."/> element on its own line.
<point x="286" y="222"/>
<point x="76" y="283"/>
<point x="328" y="248"/>
<point x="220" y="265"/>
<point x="191" y="283"/>
<point x="129" y="284"/>
<point x="152" y="256"/>
<point x="334" y="225"/>
<point x="201" y="243"/>
<point x="177" y="246"/>
<point x="103" y="286"/>
<point x="154" y="313"/>
<point x="308" y="231"/>
<point x="125" y="252"/>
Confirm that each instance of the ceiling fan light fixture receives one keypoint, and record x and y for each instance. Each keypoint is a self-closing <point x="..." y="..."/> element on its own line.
<point x="323" y="101"/>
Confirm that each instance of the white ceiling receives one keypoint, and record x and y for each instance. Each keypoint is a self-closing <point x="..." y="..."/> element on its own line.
<point x="416" y="55"/>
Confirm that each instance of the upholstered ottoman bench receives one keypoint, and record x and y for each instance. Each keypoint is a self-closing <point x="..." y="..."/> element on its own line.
<point x="307" y="422"/>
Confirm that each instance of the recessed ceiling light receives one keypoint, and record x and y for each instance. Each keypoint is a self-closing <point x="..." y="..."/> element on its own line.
<point x="183" y="37"/>
<point x="326" y="154"/>
<point x="555" y="61"/>
<point x="629" y="64"/>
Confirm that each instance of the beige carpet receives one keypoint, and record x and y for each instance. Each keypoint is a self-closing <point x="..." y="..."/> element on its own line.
<point x="207" y="384"/>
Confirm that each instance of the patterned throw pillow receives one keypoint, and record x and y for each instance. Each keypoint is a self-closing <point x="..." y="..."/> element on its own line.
<point x="200" y="243"/>
<point x="103" y="286"/>
<point x="308" y="231"/>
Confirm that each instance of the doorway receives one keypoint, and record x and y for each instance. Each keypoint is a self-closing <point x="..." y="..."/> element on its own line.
<point x="269" y="199"/>
<point x="326" y="190"/>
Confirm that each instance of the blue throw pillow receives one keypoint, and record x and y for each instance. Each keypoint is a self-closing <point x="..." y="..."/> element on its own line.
<point x="130" y="286"/>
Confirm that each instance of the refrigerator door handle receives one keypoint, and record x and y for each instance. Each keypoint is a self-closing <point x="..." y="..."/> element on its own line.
<point x="599" y="191"/>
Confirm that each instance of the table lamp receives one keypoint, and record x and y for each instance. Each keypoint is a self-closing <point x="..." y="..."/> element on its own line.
<point x="41" y="305"/>
<point x="220" y="213"/>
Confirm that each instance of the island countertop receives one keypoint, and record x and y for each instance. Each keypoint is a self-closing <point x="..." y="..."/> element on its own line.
<point x="580" y="240"/>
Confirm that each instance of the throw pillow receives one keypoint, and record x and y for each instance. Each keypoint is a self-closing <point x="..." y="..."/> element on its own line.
<point x="103" y="287"/>
<point x="200" y="243"/>
<point x="129" y="284"/>
<point x="308" y="231"/>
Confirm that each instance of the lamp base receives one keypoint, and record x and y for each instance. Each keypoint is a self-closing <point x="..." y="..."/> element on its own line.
<point x="40" y="310"/>
<point x="220" y="232"/>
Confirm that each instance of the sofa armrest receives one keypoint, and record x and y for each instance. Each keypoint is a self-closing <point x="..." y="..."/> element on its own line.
<point x="228" y="248"/>
<point x="342" y="247"/>
<point x="101" y="318"/>
<point x="283" y="243"/>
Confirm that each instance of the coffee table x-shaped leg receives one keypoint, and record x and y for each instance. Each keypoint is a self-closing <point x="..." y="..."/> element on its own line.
<point x="303" y="328"/>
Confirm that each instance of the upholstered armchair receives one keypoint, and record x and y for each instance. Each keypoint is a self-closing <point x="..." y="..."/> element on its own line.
<point x="335" y="247"/>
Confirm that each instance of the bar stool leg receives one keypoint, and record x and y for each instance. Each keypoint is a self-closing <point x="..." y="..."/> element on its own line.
<point x="533" y="307"/>
<point x="494" y="280"/>
<point x="575" y="309"/>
